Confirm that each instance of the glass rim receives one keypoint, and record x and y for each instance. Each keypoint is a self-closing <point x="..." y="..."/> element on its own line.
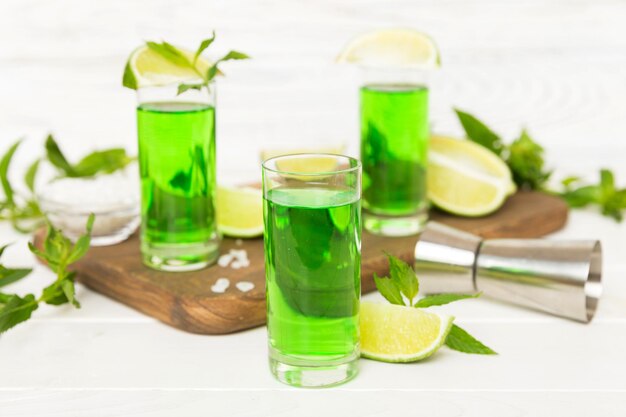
<point x="354" y="168"/>
<point x="176" y="83"/>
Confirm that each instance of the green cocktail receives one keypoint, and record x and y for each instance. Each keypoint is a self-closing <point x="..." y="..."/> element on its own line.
<point x="313" y="273"/>
<point x="394" y="143"/>
<point x="177" y="163"/>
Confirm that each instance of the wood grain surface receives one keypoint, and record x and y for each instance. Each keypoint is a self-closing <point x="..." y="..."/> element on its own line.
<point x="185" y="299"/>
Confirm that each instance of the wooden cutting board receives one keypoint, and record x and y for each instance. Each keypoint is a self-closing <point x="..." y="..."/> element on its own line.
<point x="185" y="300"/>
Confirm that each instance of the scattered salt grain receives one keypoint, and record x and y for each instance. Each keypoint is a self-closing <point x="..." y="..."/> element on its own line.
<point x="236" y="258"/>
<point x="238" y="242"/>
<point x="220" y="285"/>
<point x="224" y="260"/>
<point x="244" y="286"/>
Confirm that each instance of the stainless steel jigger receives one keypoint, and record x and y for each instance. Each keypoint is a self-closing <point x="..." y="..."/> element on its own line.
<point x="558" y="277"/>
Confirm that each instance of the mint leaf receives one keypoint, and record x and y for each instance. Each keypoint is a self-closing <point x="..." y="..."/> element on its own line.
<point x="460" y="340"/>
<point x="106" y="161"/>
<point x="478" y="132"/>
<point x="56" y="157"/>
<point x="404" y="277"/>
<point x="54" y="295"/>
<point x="5" y="162"/>
<point x="11" y="275"/>
<point x="82" y="244"/>
<point x="214" y="70"/>
<point x="203" y="45"/>
<point x="16" y="310"/>
<point x="186" y="87"/>
<point x="441" y="299"/>
<point x="31" y="174"/>
<point x="388" y="289"/>
<point x="526" y="162"/>
<point x="69" y="290"/>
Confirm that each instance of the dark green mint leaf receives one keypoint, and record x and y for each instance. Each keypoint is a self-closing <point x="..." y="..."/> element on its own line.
<point x="441" y="299"/>
<point x="11" y="275"/>
<point x="404" y="277"/>
<point x="56" y="157"/>
<point x="478" y="132"/>
<point x="54" y="295"/>
<point x="460" y="340"/>
<point x="16" y="310"/>
<point x="583" y="196"/>
<point x="388" y="289"/>
<point x="526" y="163"/>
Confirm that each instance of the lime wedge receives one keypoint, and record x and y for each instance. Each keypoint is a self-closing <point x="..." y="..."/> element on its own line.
<point x="240" y="211"/>
<point x="392" y="333"/>
<point x="146" y="68"/>
<point x="392" y="48"/>
<point x="466" y="179"/>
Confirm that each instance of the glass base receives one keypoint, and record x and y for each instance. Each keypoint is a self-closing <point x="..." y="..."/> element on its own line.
<point x="395" y="226"/>
<point x="179" y="258"/>
<point x="313" y="374"/>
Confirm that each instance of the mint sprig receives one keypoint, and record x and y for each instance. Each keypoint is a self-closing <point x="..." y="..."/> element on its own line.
<point x="179" y="58"/>
<point x="402" y="286"/>
<point x="59" y="253"/>
<point x="610" y="199"/>
<point x="525" y="158"/>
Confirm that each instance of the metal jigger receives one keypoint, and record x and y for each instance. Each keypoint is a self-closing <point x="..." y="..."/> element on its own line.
<point x="558" y="277"/>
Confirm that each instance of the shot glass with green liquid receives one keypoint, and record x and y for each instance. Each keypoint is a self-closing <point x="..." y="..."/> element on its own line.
<point x="394" y="146"/>
<point x="177" y="164"/>
<point x="312" y="212"/>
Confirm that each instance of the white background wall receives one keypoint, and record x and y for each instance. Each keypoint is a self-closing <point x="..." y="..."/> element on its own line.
<point x="557" y="67"/>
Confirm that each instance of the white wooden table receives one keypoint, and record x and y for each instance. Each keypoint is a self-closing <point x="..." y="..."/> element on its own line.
<point x="557" y="67"/>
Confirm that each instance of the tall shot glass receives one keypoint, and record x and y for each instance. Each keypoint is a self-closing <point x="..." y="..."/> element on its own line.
<point x="394" y="147"/>
<point x="312" y="211"/>
<point x="177" y="163"/>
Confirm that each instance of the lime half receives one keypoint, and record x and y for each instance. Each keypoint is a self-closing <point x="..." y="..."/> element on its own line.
<point x="240" y="211"/>
<point x="392" y="48"/>
<point x="466" y="179"/>
<point x="146" y="68"/>
<point x="392" y="333"/>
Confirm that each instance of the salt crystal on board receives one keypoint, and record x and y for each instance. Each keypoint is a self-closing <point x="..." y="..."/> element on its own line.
<point x="244" y="286"/>
<point x="221" y="285"/>
<point x="224" y="260"/>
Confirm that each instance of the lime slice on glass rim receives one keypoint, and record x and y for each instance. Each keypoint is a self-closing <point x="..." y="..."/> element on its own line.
<point x="240" y="211"/>
<point x="392" y="48"/>
<point x="393" y="333"/>
<point x="146" y="68"/>
<point x="466" y="179"/>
